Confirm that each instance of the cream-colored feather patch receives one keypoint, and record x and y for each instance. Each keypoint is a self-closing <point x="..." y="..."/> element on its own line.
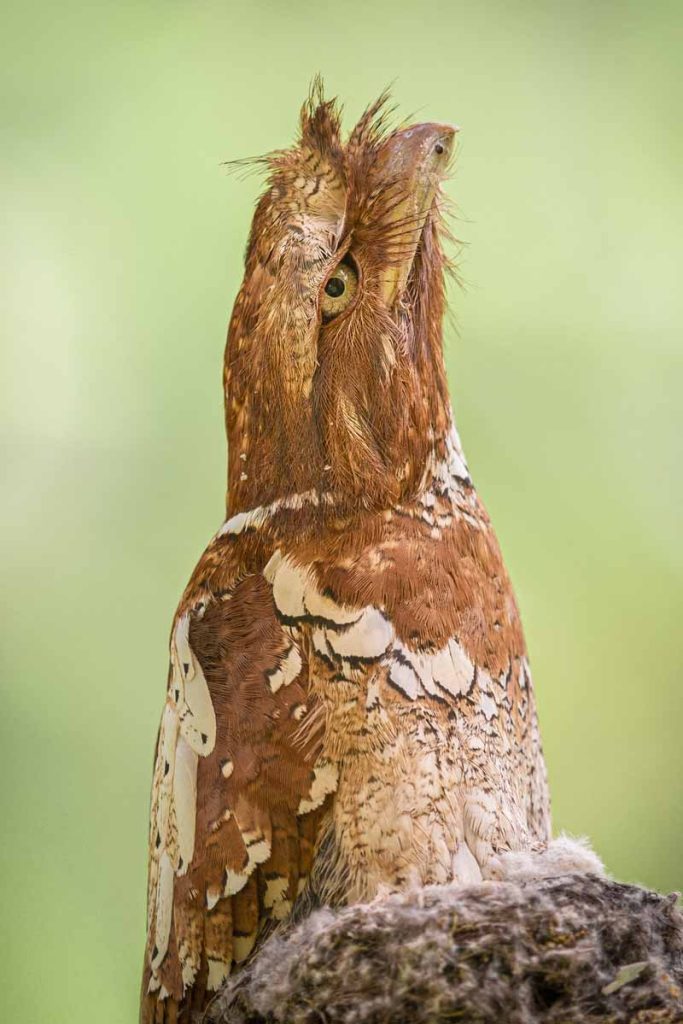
<point x="455" y="460"/>
<point x="404" y="677"/>
<point x="197" y="716"/>
<point x="188" y="729"/>
<point x="254" y="518"/>
<point x="235" y="881"/>
<point x="218" y="972"/>
<point x="185" y="801"/>
<point x="347" y="634"/>
<point x="322" y="607"/>
<point x="213" y="895"/>
<point x="452" y="670"/>
<point x="242" y="946"/>
<point x="164" y="910"/>
<point x="258" y="850"/>
<point x="289" y="582"/>
<point x="286" y="671"/>
<point x="256" y="831"/>
<point x="417" y="672"/>
<point x="325" y="779"/>
<point x="488" y="706"/>
<point x="276" y="897"/>
<point x="168" y="738"/>
<point x="367" y="638"/>
<point x="154" y="983"/>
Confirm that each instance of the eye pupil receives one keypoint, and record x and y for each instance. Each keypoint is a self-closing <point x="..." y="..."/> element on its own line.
<point x="335" y="287"/>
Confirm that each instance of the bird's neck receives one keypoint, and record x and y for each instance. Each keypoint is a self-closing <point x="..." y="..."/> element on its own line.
<point x="369" y="453"/>
<point x="273" y="452"/>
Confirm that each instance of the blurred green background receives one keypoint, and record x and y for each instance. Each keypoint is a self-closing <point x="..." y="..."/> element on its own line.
<point x="121" y="249"/>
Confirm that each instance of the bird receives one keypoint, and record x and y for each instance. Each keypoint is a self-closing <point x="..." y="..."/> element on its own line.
<point x="349" y="709"/>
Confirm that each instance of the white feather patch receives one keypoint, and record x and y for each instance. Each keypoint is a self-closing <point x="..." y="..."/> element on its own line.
<point x="234" y="882"/>
<point x="164" y="910"/>
<point x="368" y="638"/>
<point x="257" y="841"/>
<point x="322" y="607"/>
<point x="289" y="583"/>
<point x="349" y="634"/>
<point x="460" y="680"/>
<point x="488" y="706"/>
<point x="189" y="973"/>
<point x="253" y="518"/>
<point x="212" y="897"/>
<point x="183" y="651"/>
<point x="272" y="566"/>
<point x="188" y="728"/>
<point x="287" y="671"/>
<point x="404" y="677"/>
<point x="185" y="800"/>
<point x="154" y="983"/>
<point x="435" y="670"/>
<point x="417" y="672"/>
<point x="455" y="458"/>
<point x="319" y="638"/>
<point x="197" y="716"/>
<point x="325" y="778"/>
<point x="258" y="851"/>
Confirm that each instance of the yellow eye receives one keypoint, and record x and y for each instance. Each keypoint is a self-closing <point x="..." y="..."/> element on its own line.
<point x="339" y="290"/>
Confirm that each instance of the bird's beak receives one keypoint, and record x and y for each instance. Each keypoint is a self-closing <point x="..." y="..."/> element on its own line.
<point x="414" y="161"/>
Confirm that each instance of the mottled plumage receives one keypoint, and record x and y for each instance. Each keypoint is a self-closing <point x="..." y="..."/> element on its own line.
<point x="349" y="707"/>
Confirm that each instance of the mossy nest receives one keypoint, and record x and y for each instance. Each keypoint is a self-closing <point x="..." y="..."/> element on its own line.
<point x="574" y="948"/>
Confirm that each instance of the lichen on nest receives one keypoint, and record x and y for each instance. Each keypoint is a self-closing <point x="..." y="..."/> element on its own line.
<point x="573" y="949"/>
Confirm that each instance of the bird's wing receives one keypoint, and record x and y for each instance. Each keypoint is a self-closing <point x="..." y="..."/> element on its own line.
<point x="237" y="796"/>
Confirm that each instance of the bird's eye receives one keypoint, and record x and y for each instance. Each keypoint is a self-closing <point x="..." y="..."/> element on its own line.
<point x="335" y="287"/>
<point x="339" y="290"/>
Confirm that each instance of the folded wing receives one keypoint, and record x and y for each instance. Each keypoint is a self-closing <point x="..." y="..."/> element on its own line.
<point x="236" y="802"/>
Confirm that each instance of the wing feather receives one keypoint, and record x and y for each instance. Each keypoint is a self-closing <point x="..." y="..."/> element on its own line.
<point x="237" y="763"/>
<point x="185" y="801"/>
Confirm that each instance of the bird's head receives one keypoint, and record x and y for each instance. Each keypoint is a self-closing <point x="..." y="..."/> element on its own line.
<point x="334" y="373"/>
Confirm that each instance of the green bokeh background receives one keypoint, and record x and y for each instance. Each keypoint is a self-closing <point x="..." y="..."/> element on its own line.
<point x="121" y="245"/>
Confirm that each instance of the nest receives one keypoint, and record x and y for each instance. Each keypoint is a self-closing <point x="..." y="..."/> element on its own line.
<point x="574" y="948"/>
